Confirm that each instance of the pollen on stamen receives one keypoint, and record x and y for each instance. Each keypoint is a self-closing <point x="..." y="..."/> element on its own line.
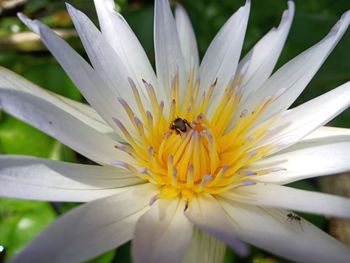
<point x="250" y="173"/>
<point x="153" y="199"/>
<point x="219" y="175"/>
<point x="125" y="149"/>
<point x="249" y="183"/>
<point x="143" y="171"/>
<point x="207" y="178"/>
<point x="270" y="170"/>
<point x="124" y="165"/>
<point x="174" y="177"/>
<point x="190" y="178"/>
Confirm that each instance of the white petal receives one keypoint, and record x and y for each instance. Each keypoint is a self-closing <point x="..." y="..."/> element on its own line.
<point x="268" y="229"/>
<point x="163" y="234"/>
<point x="264" y="55"/>
<point x="85" y="113"/>
<point x="169" y="59"/>
<point x="306" y="159"/>
<point x="205" y="249"/>
<point x="94" y="89"/>
<point x="221" y="59"/>
<point x="104" y="59"/>
<point x="293" y="77"/>
<point x="41" y="179"/>
<point x="187" y="39"/>
<point x="302" y="120"/>
<point x="62" y="126"/>
<point x="90" y="229"/>
<point x="202" y="211"/>
<point x="278" y="196"/>
<point x="326" y="131"/>
<point x="120" y="37"/>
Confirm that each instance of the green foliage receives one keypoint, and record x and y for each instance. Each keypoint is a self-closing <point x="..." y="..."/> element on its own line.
<point x="229" y="256"/>
<point x="105" y="258"/>
<point x="123" y="253"/>
<point x="52" y="77"/>
<point x="17" y="137"/>
<point x="9" y="25"/>
<point x="21" y="221"/>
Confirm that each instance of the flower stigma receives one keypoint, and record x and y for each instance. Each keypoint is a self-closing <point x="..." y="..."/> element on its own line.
<point x="186" y="151"/>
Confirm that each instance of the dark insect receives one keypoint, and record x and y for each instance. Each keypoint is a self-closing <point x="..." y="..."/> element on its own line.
<point x="291" y="217"/>
<point x="180" y="125"/>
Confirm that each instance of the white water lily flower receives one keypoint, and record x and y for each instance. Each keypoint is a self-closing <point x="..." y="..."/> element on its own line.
<point x="190" y="151"/>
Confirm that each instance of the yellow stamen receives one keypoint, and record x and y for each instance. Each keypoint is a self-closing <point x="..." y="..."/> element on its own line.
<point x="138" y="100"/>
<point x="198" y="152"/>
<point x="190" y="177"/>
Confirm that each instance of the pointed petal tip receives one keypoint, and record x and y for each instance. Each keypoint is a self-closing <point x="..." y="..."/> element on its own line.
<point x="291" y="3"/>
<point x="31" y="24"/>
<point x="345" y="19"/>
<point x="288" y="14"/>
<point x="25" y="20"/>
<point x="245" y="8"/>
<point x="180" y="11"/>
<point x="341" y="26"/>
<point x="179" y="7"/>
<point x="346" y="15"/>
<point x="21" y="16"/>
<point x="70" y="8"/>
<point x="291" y="7"/>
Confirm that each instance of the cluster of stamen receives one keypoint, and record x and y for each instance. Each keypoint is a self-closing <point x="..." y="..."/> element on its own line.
<point x="196" y="153"/>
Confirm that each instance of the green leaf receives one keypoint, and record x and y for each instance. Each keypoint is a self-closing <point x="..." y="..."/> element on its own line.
<point x="16" y="137"/>
<point x="61" y="152"/>
<point x="21" y="221"/>
<point x="52" y="77"/>
<point x="123" y="254"/>
<point x="36" y="5"/>
<point x="105" y="258"/>
<point x="229" y="256"/>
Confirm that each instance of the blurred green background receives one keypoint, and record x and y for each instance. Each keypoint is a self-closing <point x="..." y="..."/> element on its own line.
<point x="20" y="221"/>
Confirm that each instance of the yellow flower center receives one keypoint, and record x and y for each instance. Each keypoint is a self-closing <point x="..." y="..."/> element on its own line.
<point x="186" y="152"/>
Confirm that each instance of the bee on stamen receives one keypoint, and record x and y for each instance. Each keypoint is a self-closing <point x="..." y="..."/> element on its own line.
<point x="180" y="125"/>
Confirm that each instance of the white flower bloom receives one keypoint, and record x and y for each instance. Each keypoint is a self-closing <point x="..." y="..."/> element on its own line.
<point x="189" y="151"/>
